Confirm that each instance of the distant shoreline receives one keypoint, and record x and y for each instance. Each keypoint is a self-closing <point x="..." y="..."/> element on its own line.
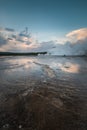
<point x="21" y="53"/>
<point x="36" y="54"/>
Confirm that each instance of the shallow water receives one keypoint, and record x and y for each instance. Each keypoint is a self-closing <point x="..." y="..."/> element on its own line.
<point x="49" y="92"/>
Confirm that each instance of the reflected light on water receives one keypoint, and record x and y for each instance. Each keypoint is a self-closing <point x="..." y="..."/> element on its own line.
<point x="29" y="63"/>
<point x="69" y="67"/>
<point x="26" y="62"/>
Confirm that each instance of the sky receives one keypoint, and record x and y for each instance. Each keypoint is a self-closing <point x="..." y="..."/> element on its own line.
<point x="37" y="25"/>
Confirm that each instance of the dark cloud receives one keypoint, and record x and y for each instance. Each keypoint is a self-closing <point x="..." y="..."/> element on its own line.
<point x="28" y="42"/>
<point x="9" y="39"/>
<point x="23" y="36"/>
<point x="9" y="29"/>
<point x="13" y="36"/>
<point x="3" y="41"/>
<point x="25" y="33"/>
<point x="19" y="39"/>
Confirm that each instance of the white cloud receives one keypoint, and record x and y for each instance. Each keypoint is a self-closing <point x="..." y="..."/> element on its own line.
<point x="75" y="43"/>
<point x="77" y="35"/>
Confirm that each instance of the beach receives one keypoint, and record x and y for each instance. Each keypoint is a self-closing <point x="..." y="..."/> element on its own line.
<point x="43" y="93"/>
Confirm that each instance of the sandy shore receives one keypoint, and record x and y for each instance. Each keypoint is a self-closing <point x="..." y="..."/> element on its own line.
<point x="42" y="102"/>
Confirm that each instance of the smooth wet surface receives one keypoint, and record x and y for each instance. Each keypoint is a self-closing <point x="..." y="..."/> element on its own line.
<point x="43" y="93"/>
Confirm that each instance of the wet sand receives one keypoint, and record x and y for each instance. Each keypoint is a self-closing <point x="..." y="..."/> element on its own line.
<point x="43" y="93"/>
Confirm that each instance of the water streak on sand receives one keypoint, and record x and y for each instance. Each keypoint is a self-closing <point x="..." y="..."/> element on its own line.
<point x="47" y="70"/>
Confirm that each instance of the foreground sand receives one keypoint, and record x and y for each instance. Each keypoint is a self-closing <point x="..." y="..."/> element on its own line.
<point x="43" y="102"/>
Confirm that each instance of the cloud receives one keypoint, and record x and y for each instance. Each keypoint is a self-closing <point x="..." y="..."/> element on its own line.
<point x="23" y="37"/>
<point x="78" y="40"/>
<point x="3" y="40"/>
<point x="24" y="33"/>
<point x="45" y="46"/>
<point x="77" y="35"/>
<point x="16" y="41"/>
<point x="74" y="43"/>
<point x="9" y="29"/>
<point x="6" y="30"/>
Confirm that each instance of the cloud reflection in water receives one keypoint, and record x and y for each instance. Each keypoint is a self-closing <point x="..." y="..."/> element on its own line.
<point x="69" y="67"/>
